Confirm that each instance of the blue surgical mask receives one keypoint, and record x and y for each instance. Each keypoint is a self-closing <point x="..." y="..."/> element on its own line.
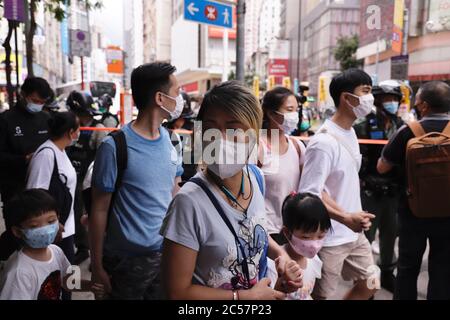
<point x="34" y="108"/>
<point x="39" y="238"/>
<point x="391" y="107"/>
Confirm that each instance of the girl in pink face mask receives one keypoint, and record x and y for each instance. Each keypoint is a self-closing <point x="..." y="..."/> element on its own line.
<point x="305" y="225"/>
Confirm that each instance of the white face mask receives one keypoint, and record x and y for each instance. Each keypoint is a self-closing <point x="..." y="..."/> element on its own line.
<point x="232" y="158"/>
<point x="365" y="107"/>
<point x="290" y="122"/>
<point x="175" y="114"/>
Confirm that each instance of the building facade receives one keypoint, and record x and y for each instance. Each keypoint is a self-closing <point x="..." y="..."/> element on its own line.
<point x="157" y="21"/>
<point x="133" y="38"/>
<point x="253" y="9"/>
<point x="425" y="52"/>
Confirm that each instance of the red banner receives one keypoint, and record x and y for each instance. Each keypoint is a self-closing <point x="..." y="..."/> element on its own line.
<point x="279" y="67"/>
<point x="190" y="87"/>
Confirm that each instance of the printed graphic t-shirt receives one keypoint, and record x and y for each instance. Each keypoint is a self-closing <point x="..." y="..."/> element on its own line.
<point x="27" y="279"/>
<point x="192" y="221"/>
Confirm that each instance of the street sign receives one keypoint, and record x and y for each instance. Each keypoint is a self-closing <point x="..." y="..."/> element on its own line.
<point x="208" y="12"/>
<point x="80" y="43"/>
<point x="14" y="10"/>
<point x="114" y="59"/>
<point x="399" y="67"/>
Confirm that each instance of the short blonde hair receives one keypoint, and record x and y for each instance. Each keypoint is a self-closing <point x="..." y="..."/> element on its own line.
<point x="238" y="100"/>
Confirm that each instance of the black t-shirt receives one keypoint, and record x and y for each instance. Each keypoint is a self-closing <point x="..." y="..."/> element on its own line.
<point x="395" y="152"/>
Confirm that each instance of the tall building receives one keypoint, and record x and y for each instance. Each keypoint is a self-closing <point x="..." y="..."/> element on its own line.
<point x="253" y="9"/>
<point x="290" y="15"/>
<point x="133" y="36"/>
<point x="269" y="22"/>
<point x="156" y="25"/>
<point x="197" y="52"/>
<point x="267" y="30"/>
<point x="98" y="65"/>
<point x="313" y="42"/>
<point x="47" y="54"/>
<point x="426" y="51"/>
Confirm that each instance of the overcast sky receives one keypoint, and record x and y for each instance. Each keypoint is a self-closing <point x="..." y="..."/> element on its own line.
<point x="110" y="18"/>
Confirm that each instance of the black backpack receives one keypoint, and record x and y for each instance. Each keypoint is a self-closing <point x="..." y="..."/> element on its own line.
<point x="121" y="162"/>
<point x="59" y="191"/>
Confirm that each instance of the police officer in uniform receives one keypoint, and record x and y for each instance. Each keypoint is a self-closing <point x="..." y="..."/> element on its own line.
<point x="23" y="129"/>
<point x="109" y="120"/>
<point x="380" y="192"/>
<point x="82" y="154"/>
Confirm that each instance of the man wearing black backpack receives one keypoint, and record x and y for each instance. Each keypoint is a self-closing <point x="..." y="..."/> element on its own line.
<point x="423" y="208"/>
<point x="136" y="173"/>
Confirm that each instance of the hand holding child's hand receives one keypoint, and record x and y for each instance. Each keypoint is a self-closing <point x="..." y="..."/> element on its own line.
<point x="292" y="276"/>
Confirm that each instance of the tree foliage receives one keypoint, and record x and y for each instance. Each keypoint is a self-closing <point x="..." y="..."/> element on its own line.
<point x="345" y="52"/>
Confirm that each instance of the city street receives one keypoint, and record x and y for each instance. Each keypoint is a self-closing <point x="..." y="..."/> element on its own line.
<point x="313" y="132"/>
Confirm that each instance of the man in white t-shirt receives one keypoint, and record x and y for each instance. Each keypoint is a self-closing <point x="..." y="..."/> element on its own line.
<point x="331" y="168"/>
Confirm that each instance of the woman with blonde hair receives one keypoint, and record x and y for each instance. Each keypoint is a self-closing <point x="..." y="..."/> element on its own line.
<point x="216" y="244"/>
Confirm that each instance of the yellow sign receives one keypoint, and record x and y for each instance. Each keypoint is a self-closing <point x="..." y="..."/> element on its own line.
<point x="271" y="83"/>
<point x="256" y="86"/>
<point x="287" y="83"/>
<point x="406" y="96"/>
<point x="399" y="13"/>
<point x="322" y="90"/>
<point x="14" y="66"/>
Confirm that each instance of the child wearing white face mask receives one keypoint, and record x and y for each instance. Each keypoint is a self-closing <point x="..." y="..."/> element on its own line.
<point x="305" y="224"/>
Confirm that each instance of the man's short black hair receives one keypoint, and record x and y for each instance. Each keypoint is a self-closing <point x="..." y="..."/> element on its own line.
<point x="37" y="85"/>
<point x="437" y="95"/>
<point x="148" y="79"/>
<point x="28" y="204"/>
<point x="348" y="81"/>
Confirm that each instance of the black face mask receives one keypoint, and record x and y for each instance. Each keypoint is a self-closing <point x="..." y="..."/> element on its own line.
<point x="419" y="116"/>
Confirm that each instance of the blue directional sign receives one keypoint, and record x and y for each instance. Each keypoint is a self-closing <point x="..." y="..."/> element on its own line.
<point x="209" y="12"/>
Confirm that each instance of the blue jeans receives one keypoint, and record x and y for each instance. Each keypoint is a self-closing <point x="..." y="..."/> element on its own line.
<point x="413" y="236"/>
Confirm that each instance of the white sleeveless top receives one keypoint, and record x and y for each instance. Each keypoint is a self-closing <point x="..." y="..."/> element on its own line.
<point x="282" y="176"/>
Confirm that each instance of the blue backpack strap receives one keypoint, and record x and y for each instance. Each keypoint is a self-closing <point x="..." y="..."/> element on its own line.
<point x="259" y="177"/>
<point x="263" y="265"/>
<point x="225" y="219"/>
